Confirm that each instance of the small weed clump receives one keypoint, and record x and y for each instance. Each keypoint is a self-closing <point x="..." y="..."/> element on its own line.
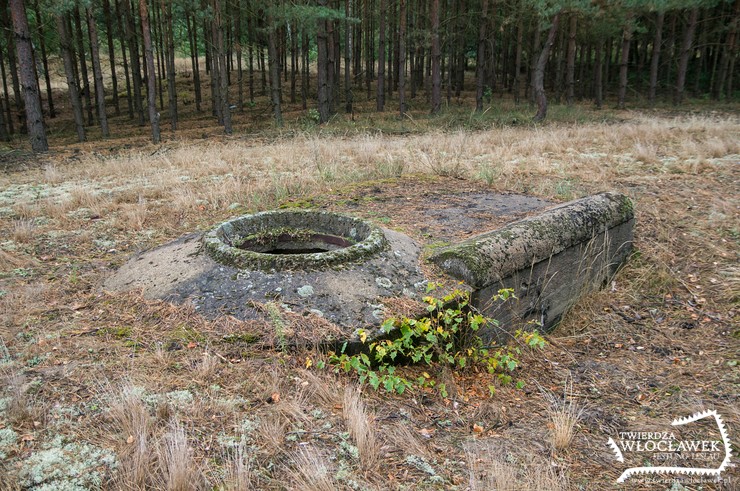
<point x="447" y="336"/>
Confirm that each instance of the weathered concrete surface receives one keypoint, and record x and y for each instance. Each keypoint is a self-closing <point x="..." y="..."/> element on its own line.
<point x="549" y="259"/>
<point x="224" y="242"/>
<point x="350" y="295"/>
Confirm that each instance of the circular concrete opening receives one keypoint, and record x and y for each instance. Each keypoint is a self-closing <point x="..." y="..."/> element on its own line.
<point x="293" y="239"/>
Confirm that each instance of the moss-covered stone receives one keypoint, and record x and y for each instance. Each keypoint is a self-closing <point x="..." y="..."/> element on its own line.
<point x="485" y="259"/>
<point x="224" y="243"/>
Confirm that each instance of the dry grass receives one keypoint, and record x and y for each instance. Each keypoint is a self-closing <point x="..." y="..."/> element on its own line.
<point x="134" y="425"/>
<point x="23" y="230"/>
<point x="180" y="472"/>
<point x="359" y="425"/>
<point x="492" y="466"/>
<point x="238" y="468"/>
<point x="311" y="471"/>
<point x="564" y="414"/>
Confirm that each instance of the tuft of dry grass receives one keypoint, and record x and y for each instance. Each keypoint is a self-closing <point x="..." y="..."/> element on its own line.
<point x="237" y="468"/>
<point x="208" y="366"/>
<point x="311" y="471"/>
<point x="131" y="418"/>
<point x="20" y="409"/>
<point x="180" y="473"/>
<point x="24" y="230"/>
<point x="492" y="468"/>
<point x="359" y="425"/>
<point x="564" y="415"/>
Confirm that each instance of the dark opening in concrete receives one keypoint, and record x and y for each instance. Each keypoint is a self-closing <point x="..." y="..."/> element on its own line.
<point x="308" y="243"/>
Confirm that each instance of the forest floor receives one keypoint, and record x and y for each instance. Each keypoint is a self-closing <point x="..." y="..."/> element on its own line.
<point x="134" y="394"/>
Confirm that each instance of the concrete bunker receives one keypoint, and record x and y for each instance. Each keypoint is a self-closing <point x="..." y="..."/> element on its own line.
<point x="345" y="269"/>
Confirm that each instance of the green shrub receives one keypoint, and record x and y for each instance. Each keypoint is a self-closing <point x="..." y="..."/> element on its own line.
<point x="448" y="336"/>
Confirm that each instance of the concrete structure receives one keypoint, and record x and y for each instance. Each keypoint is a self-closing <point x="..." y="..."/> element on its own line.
<point x="549" y="259"/>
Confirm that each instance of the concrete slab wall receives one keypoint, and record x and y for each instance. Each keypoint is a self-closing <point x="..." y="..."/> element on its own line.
<point x="549" y="260"/>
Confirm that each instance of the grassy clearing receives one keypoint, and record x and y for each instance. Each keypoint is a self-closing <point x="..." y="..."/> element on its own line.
<point x="162" y="396"/>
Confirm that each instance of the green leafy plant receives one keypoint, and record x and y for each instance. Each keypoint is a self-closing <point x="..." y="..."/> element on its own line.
<point x="447" y="337"/>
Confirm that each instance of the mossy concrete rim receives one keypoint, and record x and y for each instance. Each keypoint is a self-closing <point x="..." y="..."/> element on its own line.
<point x="220" y="241"/>
<point x="487" y="258"/>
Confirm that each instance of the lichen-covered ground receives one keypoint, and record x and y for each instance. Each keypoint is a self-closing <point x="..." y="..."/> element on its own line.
<point x="114" y="391"/>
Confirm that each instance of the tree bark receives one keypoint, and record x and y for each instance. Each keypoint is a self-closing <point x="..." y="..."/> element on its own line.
<point x="134" y="59"/>
<point x="34" y="116"/>
<point x="274" y="63"/>
<point x="402" y="58"/>
<point x="223" y="69"/>
<point x="6" y="94"/>
<point x="436" y="59"/>
<point x="598" y="74"/>
<point x="149" y="57"/>
<point x="92" y="31"/>
<point x="683" y="62"/>
<point x="539" y="72"/>
<point x="347" y="59"/>
<point x="122" y="39"/>
<point x="171" y="88"/>
<point x="571" y="61"/>
<point x="655" y="57"/>
<point x="624" y="63"/>
<point x="322" y="45"/>
<point x="65" y="44"/>
<point x="85" y="84"/>
<point x="518" y="62"/>
<point x="44" y="59"/>
<point x="480" y="57"/>
<point x="380" y="94"/>
<point x="724" y="78"/>
<point x="111" y="56"/>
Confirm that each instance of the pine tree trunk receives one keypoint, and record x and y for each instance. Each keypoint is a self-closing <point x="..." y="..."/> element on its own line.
<point x="533" y="61"/>
<point x="171" y="88"/>
<point x="624" y="63"/>
<point x="571" y="61"/>
<point x="480" y="57"/>
<point x="34" y="116"/>
<point x="65" y="45"/>
<point x="539" y="72"/>
<point x="724" y="77"/>
<point x="683" y="62"/>
<point x="223" y="68"/>
<point x="304" y="70"/>
<point x="92" y="31"/>
<point x="322" y="45"/>
<point x="655" y="58"/>
<point x="598" y="73"/>
<point x="347" y="59"/>
<point x="149" y="57"/>
<point x="436" y="59"/>
<point x="4" y="135"/>
<point x="134" y="60"/>
<point x="239" y="50"/>
<point x="380" y="95"/>
<point x="274" y="63"/>
<point x="44" y="59"/>
<point x="518" y="62"/>
<point x="122" y="36"/>
<point x="250" y="59"/>
<point x="402" y="58"/>
<point x="85" y="83"/>
<point x="111" y="56"/>
<point x="6" y="94"/>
